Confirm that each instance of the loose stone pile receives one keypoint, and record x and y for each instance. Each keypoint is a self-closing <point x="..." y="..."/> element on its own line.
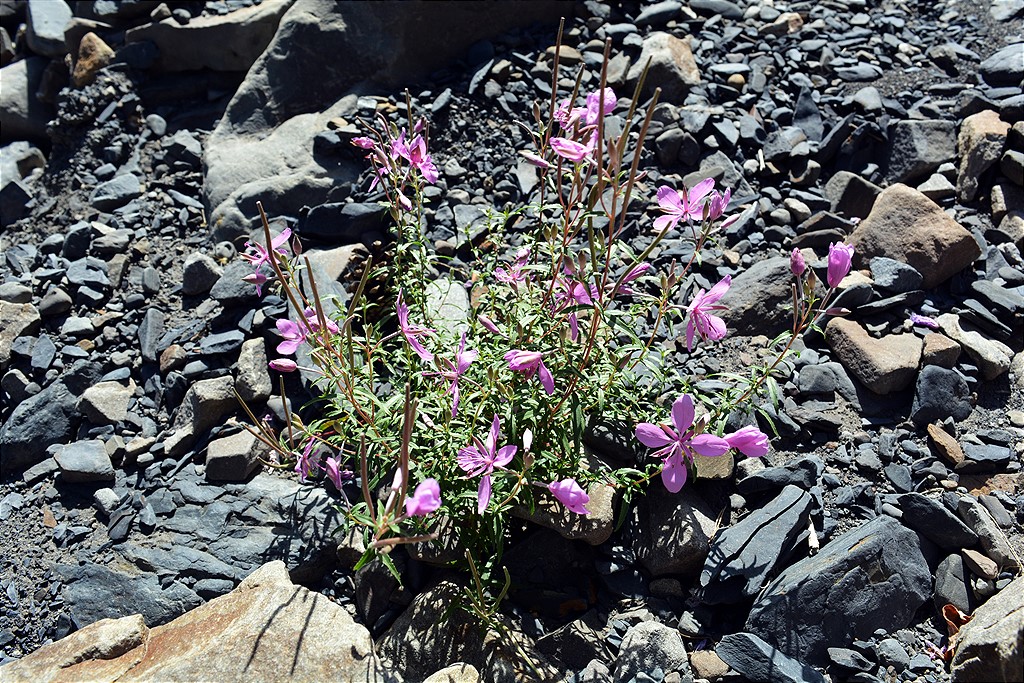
<point x="138" y="137"/>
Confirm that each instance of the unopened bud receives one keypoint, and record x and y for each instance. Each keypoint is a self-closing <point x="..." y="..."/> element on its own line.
<point x="797" y="263"/>
<point x="838" y="311"/>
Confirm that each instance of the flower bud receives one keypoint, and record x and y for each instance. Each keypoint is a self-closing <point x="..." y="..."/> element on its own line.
<point x="840" y="257"/>
<point x="797" y="263"/>
<point x="283" y="365"/>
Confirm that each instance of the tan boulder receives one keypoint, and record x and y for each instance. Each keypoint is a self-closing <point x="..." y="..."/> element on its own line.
<point x="267" y="629"/>
<point x="882" y="365"/>
<point x="992" y="356"/>
<point x="673" y="68"/>
<point x="907" y="226"/>
<point x="991" y="646"/>
<point x="93" y="55"/>
<point x="980" y="144"/>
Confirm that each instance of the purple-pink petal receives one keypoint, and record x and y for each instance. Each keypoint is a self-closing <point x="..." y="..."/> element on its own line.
<point x="483" y="493"/>
<point x="571" y="495"/>
<point x="709" y="445"/>
<point x="425" y="500"/>
<point x="546" y="380"/>
<point x="505" y="455"/>
<point x="683" y="413"/>
<point x="673" y="473"/>
<point x="750" y="441"/>
<point x="652" y="435"/>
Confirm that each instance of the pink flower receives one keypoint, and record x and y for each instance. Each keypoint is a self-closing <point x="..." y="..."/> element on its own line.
<point x="313" y="323"/>
<point x="412" y="333"/>
<point x="840" y="257"/>
<point x="750" y="441"/>
<point x="282" y="365"/>
<point x="452" y="371"/>
<point x="700" y="319"/>
<point x="796" y="262"/>
<point x="569" y="493"/>
<point x="594" y="112"/>
<point x="571" y="150"/>
<point x="515" y="273"/>
<point x="257" y="279"/>
<point x="481" y="457"/>
<point x="425" y="500"/>
<point x="363" y="142"/>
<point x="535" y="160"/>
<point x="260" y="255"/>
<point x="678" y="442"/>
<point x="308" y="460"/>
<point x="718" y="204"/>
<point x="294" y="334"/>
<point x="531" y="363"/>
<point x="415" y="153"/>
<point x="332" y="468"/>
<point x="633" y="274"/>
<point x="489" y="325"/>
<point x="682" y="205"/>
<point x="923" y="320"/>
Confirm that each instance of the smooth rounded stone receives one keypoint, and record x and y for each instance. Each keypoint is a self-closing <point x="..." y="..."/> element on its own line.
<point x="894" y="276"/>
<point x="447" y="305"/>
<point x="672" y="66"/>
<point x="231" y="290"/>
<point x="759" y="662"/>
<point x="980" y="565"/>
<point x="460" y="672"/>
<point x="106" y="501"/>
<point x="222" y="342"/>
<point x="940" y="393"/>
<point x="343" y="222"/>
<point x="150" y="280"/>
<point x="107" y="402"/>
<point x="156" y="124"/>
<point x="1003" y="67"/>
<point x="115" y="193"/>
<point x="743" y="556"/>
<point x="940" y="350"/>
<point x="882" y="365"/>
<point x="868" y="99"/>
<point x="937" y="188"/>
<point x="993" y="357"/>
<point x="672" y="532"/>
<point x="935" y="522"/>
<point x="918" y="148"/>
<point x="871" y="577"/>
<point x="200" y="274"/>
<point x="909" y="227"/>
<point x="22" y="115"/>
<point x="993" y="541"/>
<point x="647" y="646"/>
<point x="981" y="142"/>
<point x="892" y="653"/>
<point x="754" y="302"/>
<point x="991" y="646"/>
<point x="83" y="462"/>
<point x="233" y="458"/>
<point x="15" y="293"/>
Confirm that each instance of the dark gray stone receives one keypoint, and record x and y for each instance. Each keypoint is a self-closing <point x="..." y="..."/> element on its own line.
<point x="935" y="522"/>
<point x="803" y="473"/>
<point x="940" y="393"/>
<point x="200" y="274"/>
<point x="344" y="222"/>
<point x="231" y="290"/>
<point x="874" y="576"/>
<point x="951" y="585"/>
<point x="746" y="554"/>
<point x="984" y="458"/>
<point x="222" y="342"/>
<point x="84" y="461"/>
<point x="759" y="662"/>
<point x="918" y="148"/>
<point x="894" y="276"/>
<point x="150" y="330"/>
<point x="93" y="592"/>
<point x="115" y="193"/>
<point x="1004" y="66"/>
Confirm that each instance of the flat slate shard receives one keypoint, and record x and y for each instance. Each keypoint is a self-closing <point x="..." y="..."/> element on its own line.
<point x="744" y="555"/>
<point x="874" y="576"/>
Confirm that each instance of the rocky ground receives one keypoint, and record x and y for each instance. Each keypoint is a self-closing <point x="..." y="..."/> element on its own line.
<point x="130" y="173"/>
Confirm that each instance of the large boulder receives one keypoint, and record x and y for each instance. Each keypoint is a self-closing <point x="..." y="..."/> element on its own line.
<point x="907" y="226"/>
<point x="991" y="646"/>
<point x="874" y="576"/>
<point x="229" y="42"/>
<point x="262" y="148"/>
<point x="22" y="115"/>
<point x="266" y="629"/>
<point x="756" y="300"/>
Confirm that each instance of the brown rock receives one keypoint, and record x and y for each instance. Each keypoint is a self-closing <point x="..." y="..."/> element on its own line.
<point x="15" y="320"/>
<point x="93" y="55"/>
<point x="940" y="350"/>
<point x="991" y="646"/>
<point x="980" y="144"/>
<point x="173" y="357"/>
<point x="882" y="365"/>
<point x="267" y="629"/>
<point x="718" y="467"/>
<point x="980" y="564"/>
<point x="907" y="226"/>
<point x="946" y="445"/>
<point x="707" y="664"/>
<point x="100" y="651"/>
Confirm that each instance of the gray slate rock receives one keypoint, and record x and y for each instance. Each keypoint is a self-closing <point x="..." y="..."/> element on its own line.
<point x="151" y="329"/>
<point x="993" y="541"/>
<point x="935" y="522"/>
<point x="22" y="115"/>
<point x="951" y="585"/>
<point x="894" y="276"/>
<point x="93" y="592"/>
<point x="940" y="393"/>
<point x="759" y="662"/>
<point x="83" y="462"/>
<point x="116" y="192"/>
<point x="1004" y="66"/>
<point x="874" y="576"/>
<point x="803" y="473"/>
<point x="917" y="148"/>
<point x="755" y="300"/>
<point x="648" y="646"/>
<point x="48" y="418"/>
<point x="199" y="275"/>
<point x="232" y="458"/>
<point x="47" y="20"/>
<point x="743" y="556"/>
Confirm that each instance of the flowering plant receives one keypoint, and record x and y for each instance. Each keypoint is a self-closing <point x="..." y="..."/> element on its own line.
<point x="493" y="414"/>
